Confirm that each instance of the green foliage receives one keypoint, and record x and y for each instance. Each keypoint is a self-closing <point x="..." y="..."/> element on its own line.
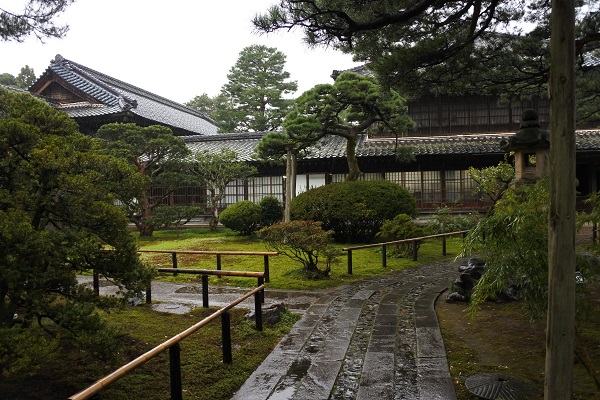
<point x="515" y="248"/>
<point x="353" y="104"/>
<point x="25" y="78"/>
<point x="271" y="211"/>
<point x="8" y="80"/>
<point x="253" y="98"/>
<point x="57" y="219"/>
<point x="216" y="171"/>
<point x="203" y="103"/>
<point x="354" y="210"/>
<point x="399" y="228"/>
<point x="492" y="182"/>
<point x="451" y="48"/>
<point x="36" y="18"/>
<point x="157" y="154"/>
<point x="243" y="217"/>
<point x="167" y="216"/>
<point x="23" y="351"/>
<point x="302" y="241"/>
<point x="443" y="221"/>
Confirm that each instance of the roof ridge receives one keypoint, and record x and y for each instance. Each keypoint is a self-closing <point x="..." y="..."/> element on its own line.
<point x="109" y="80"/>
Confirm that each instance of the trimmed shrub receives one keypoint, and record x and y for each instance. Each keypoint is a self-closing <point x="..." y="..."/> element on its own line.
<point x="302" y="241"/>
<point x="271" y="211"/>
<point x="354" y="210"/>
<point x="399" y="228"/>
<point x="242" y="217"/>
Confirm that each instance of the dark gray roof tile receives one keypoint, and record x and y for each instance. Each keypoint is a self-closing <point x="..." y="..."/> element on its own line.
<point x="118" y="96"/>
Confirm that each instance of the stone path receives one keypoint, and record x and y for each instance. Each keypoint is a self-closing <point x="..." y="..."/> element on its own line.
<point x="374" y="339"/>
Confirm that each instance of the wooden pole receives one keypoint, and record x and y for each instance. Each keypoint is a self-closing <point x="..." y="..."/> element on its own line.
<point x="560" y="328"/>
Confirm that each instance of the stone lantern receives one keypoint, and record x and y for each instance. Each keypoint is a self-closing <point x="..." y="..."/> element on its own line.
<point x="531" y="148"/>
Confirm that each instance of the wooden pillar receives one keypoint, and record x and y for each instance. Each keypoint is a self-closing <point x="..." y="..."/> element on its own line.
<point x="560" y="327"/>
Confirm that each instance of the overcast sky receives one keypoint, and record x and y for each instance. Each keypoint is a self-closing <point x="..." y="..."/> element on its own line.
<point x="176" y="49"/>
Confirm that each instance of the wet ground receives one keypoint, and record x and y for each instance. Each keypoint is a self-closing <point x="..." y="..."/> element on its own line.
<point x="374" y="339"/>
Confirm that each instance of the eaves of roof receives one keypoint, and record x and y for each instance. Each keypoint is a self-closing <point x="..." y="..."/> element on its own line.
<point x="335" y="147"/>
<point x="118" y="96"/>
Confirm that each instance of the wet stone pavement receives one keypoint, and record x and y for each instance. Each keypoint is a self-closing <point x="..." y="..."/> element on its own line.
<point x="374" y="339"/>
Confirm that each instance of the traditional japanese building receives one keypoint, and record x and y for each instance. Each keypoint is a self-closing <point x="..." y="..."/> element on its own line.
<point x="452" y="134"/>
<point x="93" y="99"/>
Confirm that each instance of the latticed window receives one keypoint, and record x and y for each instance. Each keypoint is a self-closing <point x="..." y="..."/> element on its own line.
<point x="459" y="187"/>
<point x="263" y="186"/>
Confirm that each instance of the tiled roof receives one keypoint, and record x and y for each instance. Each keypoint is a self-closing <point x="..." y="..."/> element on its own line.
<point x="589" y="62"/>
<point x="335" y="146"/>
<point x="117" y="96"/>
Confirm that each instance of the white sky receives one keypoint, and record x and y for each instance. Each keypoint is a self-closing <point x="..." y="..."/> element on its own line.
<point x="176" y="49"/>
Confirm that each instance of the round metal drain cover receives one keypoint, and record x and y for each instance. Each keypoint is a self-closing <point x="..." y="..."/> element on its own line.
<point x="496" y="386"/>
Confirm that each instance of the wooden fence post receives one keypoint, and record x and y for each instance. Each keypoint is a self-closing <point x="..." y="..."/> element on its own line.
<point x="444" y="245"/>
<point x="267" y="273"/>
<point x="96" y="283"/>
<point x="175" y="368"/>
<point x="258" y="300"/>
<point x="349" y="262"/>
<point x="174" y="258"/>
<point x="226" y="337"/>
<point x="383" y="257"/>
<point x="415" y="249"/>
<point x="205" y="291"/>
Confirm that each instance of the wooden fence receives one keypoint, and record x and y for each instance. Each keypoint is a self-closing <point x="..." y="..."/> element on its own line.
<point x="175" y="350"/>
<point x="414" y="241"/>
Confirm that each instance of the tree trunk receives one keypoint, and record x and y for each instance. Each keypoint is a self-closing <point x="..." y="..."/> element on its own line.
<point x="288" y="184"/>
<point x="353" y="170"/>
<point x="560" y="328"/>
<point x="144" y="228"/>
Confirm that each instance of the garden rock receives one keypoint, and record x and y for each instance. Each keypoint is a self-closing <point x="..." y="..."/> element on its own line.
<point x="271" y="313"/>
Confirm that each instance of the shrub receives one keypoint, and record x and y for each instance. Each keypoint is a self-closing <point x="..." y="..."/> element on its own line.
<point x="302" y="241"/>
<point x="271" y="211"/>
<point x="354" y="210"/>
<point x="242" y="217"/>
<point x="399" y="228"/>
<point x="443" y="221"/>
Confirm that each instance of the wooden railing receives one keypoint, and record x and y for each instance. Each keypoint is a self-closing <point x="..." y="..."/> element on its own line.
<point x="265" y="254"/>
<point x="415" y="247"/>
<point x="175" y="350"/>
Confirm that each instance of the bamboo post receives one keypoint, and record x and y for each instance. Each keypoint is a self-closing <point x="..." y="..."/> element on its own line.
<point x="383" y="257"/>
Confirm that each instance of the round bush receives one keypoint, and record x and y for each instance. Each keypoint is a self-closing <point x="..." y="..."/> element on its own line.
<point x="271" y="211"/>
<point x="354" y="210"/>
<point x="242" y="217"/>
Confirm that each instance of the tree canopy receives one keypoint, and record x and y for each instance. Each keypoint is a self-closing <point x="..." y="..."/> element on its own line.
<point x="157" y="155"/>
<point x="353" y="104"/>
<point x="253" y="98"/>
<point x="216" y="171"/>
<point x="23" y="80"/>
<point x="35" y="18"/>
<point x="433" y="46"/>
<point x="58" y="219"/>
